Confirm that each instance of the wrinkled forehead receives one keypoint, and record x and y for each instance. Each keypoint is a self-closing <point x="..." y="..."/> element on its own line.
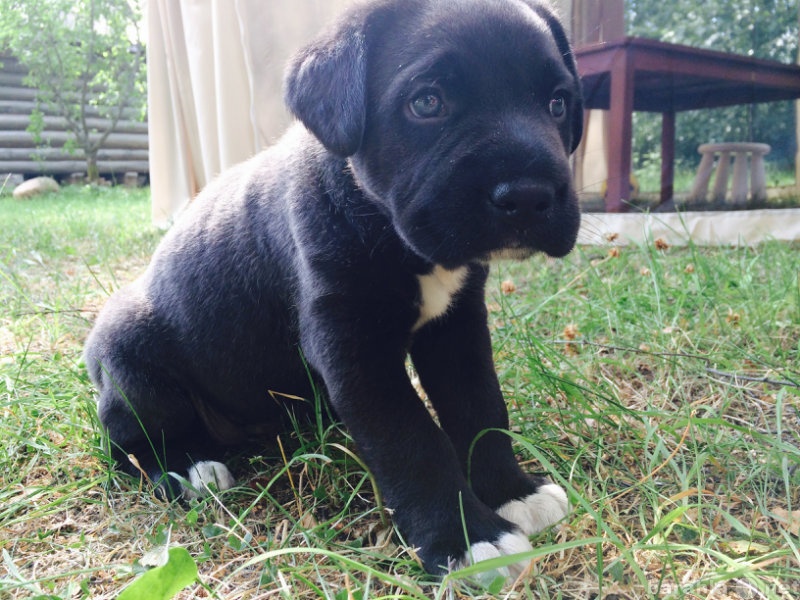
<point x="504" y="38"/>
<point x="493" y="25"/>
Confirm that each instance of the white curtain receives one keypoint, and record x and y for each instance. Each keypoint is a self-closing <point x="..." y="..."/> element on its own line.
<point x="214" y="86"/>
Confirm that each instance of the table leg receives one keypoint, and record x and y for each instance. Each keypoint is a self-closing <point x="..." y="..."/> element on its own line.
<point x="667" y="156"/>
<point x="620" y="134"/>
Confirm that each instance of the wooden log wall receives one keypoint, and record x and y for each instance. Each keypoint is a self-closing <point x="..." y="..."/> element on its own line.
<point x="124" y="150"/>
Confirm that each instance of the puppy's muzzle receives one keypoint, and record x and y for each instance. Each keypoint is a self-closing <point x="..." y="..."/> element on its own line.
<point x="522" y="202"/>
<point x="534" y="214"/>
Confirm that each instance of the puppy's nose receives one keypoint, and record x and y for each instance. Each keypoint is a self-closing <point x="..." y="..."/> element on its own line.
<point x="523" y="198"/>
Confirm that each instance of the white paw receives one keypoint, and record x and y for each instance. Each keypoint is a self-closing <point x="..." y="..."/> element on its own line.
<point x="512" y="542"/>
<point x="205" y="473"/>
<point x="538" y="511"/>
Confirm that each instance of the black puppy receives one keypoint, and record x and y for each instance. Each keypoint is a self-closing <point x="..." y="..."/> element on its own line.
<point x="435" y="137"/>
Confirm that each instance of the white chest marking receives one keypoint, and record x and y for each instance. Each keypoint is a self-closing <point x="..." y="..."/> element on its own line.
<point x="438" y="289"/>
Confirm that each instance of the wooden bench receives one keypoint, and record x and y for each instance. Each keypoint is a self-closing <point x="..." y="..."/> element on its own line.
<point x="722" y="154"/>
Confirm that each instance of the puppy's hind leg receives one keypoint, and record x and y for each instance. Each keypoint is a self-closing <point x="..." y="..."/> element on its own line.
<point x="154" y="430"/>
<point x="205" y="474"/>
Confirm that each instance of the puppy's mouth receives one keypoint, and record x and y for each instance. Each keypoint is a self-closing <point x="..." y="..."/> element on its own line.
<point x="528" y="216"/>
<point x="510" y="254"/>
<point x="492" y="239"/>
<point x="511" y="220"/>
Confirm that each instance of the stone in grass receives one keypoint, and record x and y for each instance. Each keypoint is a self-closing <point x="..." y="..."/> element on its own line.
<point x="131" y="179"/>
<point x="77" y="178"/>
<point x="34" y="187"/>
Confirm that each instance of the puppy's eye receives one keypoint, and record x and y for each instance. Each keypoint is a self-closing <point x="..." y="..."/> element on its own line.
<point x="427" y="105"/>
<point x="558" y="106"/>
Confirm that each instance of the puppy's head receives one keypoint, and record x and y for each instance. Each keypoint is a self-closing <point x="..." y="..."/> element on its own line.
<point x="458" y="119"/>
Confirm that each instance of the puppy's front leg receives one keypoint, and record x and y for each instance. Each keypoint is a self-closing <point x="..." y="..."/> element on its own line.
<point x="360" y="356"/>
<point x="453" y="357"/>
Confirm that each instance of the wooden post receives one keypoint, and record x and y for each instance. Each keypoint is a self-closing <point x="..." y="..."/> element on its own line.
<point x="613" y="19"/>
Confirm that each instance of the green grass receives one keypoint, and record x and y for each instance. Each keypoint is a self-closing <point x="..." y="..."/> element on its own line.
<point x="661" y="387"/>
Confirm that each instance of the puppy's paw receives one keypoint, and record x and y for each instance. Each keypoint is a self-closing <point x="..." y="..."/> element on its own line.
<point x="547" y="506"/>
<point x="509" y="543"/>
<point x="206" y="473"/>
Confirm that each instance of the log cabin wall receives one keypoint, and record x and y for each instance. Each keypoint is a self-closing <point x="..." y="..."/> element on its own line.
<point x="125" y="149"/>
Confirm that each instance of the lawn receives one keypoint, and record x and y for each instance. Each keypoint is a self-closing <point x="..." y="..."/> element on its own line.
<point x="659" y="385"/>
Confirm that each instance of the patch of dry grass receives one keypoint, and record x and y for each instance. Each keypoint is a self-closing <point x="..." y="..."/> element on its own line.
<point x="658" y="385"/>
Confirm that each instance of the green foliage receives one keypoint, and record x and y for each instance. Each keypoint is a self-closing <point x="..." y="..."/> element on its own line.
<point x="166" y="580"/>
<point x="761" y="28"/>
<point x="84" y="57"/>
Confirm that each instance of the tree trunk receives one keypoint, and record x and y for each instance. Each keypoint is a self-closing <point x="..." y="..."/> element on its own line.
<point x="92" y="173"/>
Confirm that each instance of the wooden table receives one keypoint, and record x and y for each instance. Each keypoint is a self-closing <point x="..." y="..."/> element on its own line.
<point x="647" y="75"/>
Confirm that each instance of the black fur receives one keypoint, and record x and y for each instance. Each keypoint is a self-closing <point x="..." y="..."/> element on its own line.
<point x="317" y="246"/>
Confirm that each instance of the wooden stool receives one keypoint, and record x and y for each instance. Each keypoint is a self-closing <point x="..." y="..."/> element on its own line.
<point x="740" y="153"/>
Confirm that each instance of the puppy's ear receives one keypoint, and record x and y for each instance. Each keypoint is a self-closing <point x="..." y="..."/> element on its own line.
<point x="325" y="87"/>
<point x="565" y="48"/>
